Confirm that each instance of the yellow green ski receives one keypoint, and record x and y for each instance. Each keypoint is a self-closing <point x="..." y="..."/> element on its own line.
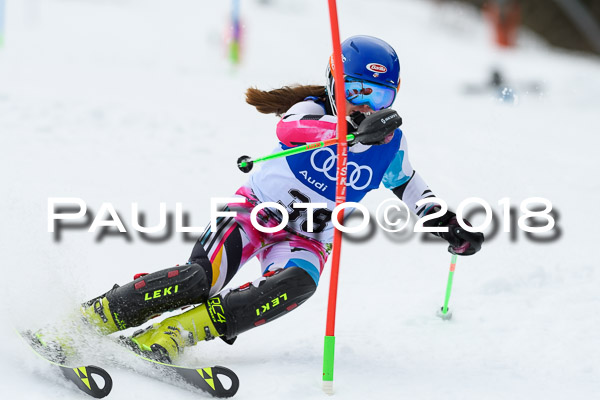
<point x="84" y="377"/>
<point x="207" y="379"/>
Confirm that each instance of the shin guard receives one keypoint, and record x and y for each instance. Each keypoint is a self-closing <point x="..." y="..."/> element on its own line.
<point x="255" y="304"/>
<point x="147" y="296"/>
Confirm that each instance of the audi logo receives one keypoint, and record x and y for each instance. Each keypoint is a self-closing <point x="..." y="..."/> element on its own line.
<point x="352" y="179"/>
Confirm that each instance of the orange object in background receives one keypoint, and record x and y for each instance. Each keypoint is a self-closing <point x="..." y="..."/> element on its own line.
<point x="505" y="16"/>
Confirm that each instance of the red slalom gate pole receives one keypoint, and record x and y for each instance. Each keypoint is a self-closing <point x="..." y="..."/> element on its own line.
<point x="340" y="197"/>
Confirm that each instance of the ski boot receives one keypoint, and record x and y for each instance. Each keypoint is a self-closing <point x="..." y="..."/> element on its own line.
<point x="165" y="341"/>
<point x="227" y="314"/>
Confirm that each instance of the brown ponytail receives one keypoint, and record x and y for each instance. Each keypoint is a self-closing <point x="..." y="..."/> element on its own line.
<point x="278" y="101"/>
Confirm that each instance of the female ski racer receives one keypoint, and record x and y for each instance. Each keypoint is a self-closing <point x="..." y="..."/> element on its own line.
<point x="293" y="258"/>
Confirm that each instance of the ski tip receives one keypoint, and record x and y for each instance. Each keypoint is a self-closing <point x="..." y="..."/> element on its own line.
<point x="86" y="379"/>
<point x="218" y="381"/>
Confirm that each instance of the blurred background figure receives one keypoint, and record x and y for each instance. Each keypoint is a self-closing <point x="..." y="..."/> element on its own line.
<point x="570" y="24"/>
<point x="505" y="17"/>
<point x="234" y="38"/>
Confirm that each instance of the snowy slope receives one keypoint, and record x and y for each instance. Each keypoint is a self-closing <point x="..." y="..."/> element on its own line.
<point x="134" y="101"/>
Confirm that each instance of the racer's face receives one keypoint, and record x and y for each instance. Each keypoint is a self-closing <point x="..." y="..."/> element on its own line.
<point x="363" y="108"/>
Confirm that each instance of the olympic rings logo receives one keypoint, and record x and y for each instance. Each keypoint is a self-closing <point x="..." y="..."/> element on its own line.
<point x="352" y="179"/>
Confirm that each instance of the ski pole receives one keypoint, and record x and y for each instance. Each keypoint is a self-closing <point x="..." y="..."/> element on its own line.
<point x="245" y="163"/>
<point x="443" y="313"/>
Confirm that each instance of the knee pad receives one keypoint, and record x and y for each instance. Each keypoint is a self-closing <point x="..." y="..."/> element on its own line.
<point x="255" y="304"/>
<point x="152" y="294"/>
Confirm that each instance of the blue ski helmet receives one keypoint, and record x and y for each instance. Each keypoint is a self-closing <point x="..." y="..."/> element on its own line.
<point x="366" y="58"/>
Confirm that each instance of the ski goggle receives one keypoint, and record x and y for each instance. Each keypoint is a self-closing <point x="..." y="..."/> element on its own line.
<point x="360" y="92"/>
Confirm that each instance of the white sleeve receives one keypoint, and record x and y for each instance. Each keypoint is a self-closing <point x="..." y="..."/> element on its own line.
<point x="305" y="107"/>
